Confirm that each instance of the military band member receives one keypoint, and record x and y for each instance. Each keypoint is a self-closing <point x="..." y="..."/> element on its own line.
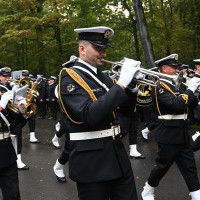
<point x="196" y="136"/>
<point x="17" y="121"/>
<point x="191" y="73"/>
<point x="128" y="121"/>
<point x="51" y="98"/>
<point x="62" y="129"/>
<point x="98" y="161"/>
<point x="172" y="135"/>
<point x="31" y="120"/>
<point x="197" y="67"/>
<point x="184" y="68"/>
<point x="9" y="182"/>
<point x="41" y="99"/>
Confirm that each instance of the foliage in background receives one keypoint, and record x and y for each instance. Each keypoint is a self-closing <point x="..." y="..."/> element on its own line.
<point x="38" y="34"/>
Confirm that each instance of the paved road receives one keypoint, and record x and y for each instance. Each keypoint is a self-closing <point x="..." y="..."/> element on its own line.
<point x="40" y="183"/>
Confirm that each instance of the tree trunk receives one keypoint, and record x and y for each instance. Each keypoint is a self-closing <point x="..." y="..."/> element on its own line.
<point x="59" y="42"/>
<point x="144" y="34"/>
<point x="134" y="29"/>
<point x="40" y="45"/>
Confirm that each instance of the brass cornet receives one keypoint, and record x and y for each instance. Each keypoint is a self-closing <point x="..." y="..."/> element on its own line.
<point x="155" y="76"/>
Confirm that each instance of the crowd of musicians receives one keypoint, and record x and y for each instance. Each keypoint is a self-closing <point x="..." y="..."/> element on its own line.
<point x="93" y="111"/>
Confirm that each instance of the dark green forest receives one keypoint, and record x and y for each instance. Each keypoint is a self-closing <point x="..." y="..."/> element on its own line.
<point x="38" y="35"/>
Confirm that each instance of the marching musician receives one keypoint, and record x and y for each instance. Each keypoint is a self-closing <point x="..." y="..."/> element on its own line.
<point x="51" y="98"/>
<point x="172" y="135"/>
<point x="98" y="161"/>
<point x="196" y="136"/>
<point x="41" y="99"/>
<point x="61" y="129"/>
<point x="9" y="182"/>
<point x="31" y="120"/>
<point x="17" y="121"/>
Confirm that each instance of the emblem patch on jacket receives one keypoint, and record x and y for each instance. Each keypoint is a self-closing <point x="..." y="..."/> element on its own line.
<point x="161" y="90"/>
<point x="70" y="87"/>
<point x="185" y="97"/>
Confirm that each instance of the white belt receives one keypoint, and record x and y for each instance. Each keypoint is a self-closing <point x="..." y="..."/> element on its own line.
<point x="182" y="116"/>
<point x="113" y="131"/>
<point x="4" y="135"/>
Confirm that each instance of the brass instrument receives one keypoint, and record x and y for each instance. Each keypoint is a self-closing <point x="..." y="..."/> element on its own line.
<point x="23" y="82"/>
<point x="31" y="108"/>
<point x="11" y="104"/>
<point x="155" y="76"/>
<point x="27" y="109"/>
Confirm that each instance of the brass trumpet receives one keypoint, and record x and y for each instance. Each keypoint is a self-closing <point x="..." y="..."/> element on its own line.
<point x="156" y="77"/>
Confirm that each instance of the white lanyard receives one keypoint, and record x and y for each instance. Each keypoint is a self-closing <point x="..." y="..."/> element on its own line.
<point x="5" y="120"/>
<point x="95" y="78"/>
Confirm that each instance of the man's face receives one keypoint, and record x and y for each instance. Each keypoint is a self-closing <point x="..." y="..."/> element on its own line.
<point x="198" y="69"/>
<point x="171" y="70"/>
<point x="24" y="77"/>
<point x="184" y="71"/>
<point x="51" y="81"/>
<point x="4" y="79"/>
<point x="92" y="54"/>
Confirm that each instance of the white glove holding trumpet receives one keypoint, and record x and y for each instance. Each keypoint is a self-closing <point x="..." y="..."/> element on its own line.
<point x="129" y="70"/>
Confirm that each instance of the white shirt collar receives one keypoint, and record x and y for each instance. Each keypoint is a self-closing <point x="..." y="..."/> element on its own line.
<point x="94" y="69"/>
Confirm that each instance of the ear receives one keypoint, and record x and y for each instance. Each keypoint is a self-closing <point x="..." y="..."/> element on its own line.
<point x="163" y="68"/>
<point x="82" y="49"/>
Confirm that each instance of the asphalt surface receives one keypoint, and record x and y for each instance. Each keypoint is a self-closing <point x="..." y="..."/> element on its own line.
<point x="40" y="182"/>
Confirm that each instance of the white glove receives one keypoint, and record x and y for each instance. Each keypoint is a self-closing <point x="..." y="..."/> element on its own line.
<point x="5" y="98"/>
<point x="12" y="84"/>
<point x="193" y="84"/>
<point x="129" y="70"/>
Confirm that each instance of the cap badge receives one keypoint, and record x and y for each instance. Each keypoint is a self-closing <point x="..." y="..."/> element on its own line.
<point x="176" y="57"/>
<point x="107" y="34"/>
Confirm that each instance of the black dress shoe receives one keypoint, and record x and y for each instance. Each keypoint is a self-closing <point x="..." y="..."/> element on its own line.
<point x="61" y="179"/>
<point x="36" y="142"/>
<point x="138" y="157"/>
<point x="24" y="168"/>
<point x="57" y="147"/>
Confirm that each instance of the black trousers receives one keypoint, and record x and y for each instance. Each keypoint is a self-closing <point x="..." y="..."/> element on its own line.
<point x="133" y="129"/>
<point x="41" y="107"/>
<point x="183" y="156"/>
<point x="118" y="189"/>
<point x="53" y="108"/>
<point x="9" y="182"/>
<point x="16" y="129"/>
<point x="31" y="123"/>
<point x="65" y="154"/>
<point x="196" y="144"/>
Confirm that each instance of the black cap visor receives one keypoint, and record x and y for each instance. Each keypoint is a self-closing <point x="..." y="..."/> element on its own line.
<point x="97" y="39"/>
